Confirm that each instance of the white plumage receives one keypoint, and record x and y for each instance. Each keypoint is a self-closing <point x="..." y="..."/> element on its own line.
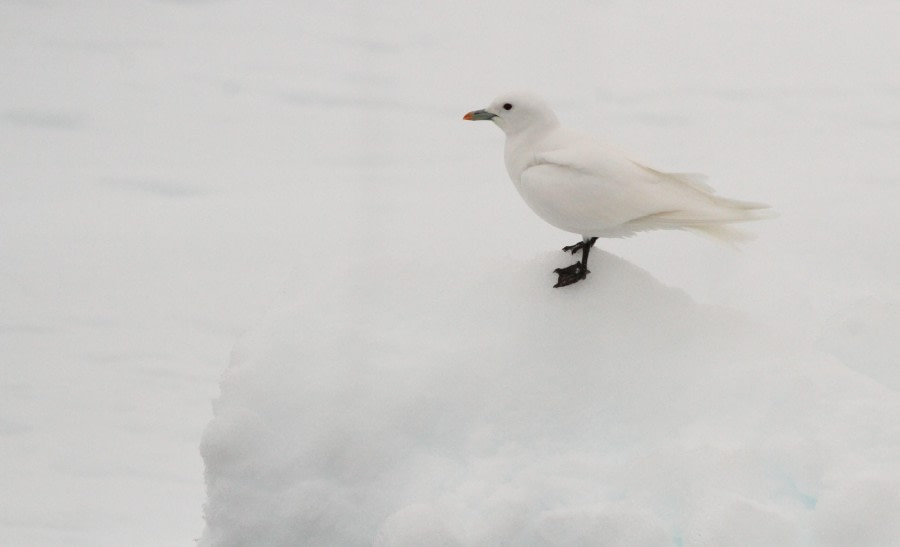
<point x="586" y="187"/>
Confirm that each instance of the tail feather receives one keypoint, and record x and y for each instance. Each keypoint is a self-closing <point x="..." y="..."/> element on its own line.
<point x="741" y="205"/>
<point x="722" y="233"/>
<point x="712" y="222"/>
<point x="697" y="183"/>
<point x="724" y="212"/>
<point x="691" y="204"/>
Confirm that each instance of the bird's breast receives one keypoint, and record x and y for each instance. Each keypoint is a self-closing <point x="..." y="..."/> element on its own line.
<point x="520" y="153"/>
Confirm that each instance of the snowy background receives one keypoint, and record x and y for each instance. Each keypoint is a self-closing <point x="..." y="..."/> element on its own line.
<point x="293" y="182"/>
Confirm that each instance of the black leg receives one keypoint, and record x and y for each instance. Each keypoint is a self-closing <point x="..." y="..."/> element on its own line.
<point x="580" y="245"/>
<point x="586" y="251"/>
<point x="578" y="271"/>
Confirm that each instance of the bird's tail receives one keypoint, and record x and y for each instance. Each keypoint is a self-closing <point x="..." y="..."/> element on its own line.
<point x="714" y="221"/>
<point x="722" y="233"/>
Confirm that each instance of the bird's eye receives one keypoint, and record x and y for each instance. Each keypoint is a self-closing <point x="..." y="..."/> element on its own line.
<point x="507" y="106"/>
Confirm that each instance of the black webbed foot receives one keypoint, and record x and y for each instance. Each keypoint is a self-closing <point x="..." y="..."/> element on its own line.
<point x="570" y="274"/>
<point x="578" y="271"/>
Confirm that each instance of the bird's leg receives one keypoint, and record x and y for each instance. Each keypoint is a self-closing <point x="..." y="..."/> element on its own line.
<point x="580" y="245"/>
<point x="578" y="271"/>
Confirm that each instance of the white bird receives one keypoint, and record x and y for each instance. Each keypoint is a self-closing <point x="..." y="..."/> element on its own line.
<point x="586" y="187"/>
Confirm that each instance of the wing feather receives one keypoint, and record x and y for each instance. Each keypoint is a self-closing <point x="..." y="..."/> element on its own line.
<point x="584" y="186"/>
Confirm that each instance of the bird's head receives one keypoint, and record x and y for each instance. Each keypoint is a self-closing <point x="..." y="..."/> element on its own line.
<point x="516" y="112"/>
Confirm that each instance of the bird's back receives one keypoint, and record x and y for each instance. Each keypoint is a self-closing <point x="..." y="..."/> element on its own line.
<point x="591" y="188"/>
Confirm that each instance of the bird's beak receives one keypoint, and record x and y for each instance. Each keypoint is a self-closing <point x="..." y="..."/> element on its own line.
<point x="479" y="115"/>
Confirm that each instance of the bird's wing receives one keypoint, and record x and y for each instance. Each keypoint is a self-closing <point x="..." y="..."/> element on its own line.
<point x="622" y="191"/>
<point x="604" y="161"/>
<point x="589" y="194"/>
<point x="637" y="190"/>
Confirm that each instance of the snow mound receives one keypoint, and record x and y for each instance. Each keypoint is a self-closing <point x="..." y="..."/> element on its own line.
<point x="484" y="407"/>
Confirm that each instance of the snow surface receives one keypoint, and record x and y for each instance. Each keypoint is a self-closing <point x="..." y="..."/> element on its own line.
<point x="175" y="173"/>
<point x="471" y="408"/>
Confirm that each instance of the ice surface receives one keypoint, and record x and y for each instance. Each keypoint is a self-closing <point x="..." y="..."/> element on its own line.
<point x="169" y="171"/>
<point x="477" y="406"/>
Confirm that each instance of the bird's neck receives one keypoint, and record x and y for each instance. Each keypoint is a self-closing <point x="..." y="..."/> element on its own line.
<point x="529" y="137"/>
<point x="522" y="145"/>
